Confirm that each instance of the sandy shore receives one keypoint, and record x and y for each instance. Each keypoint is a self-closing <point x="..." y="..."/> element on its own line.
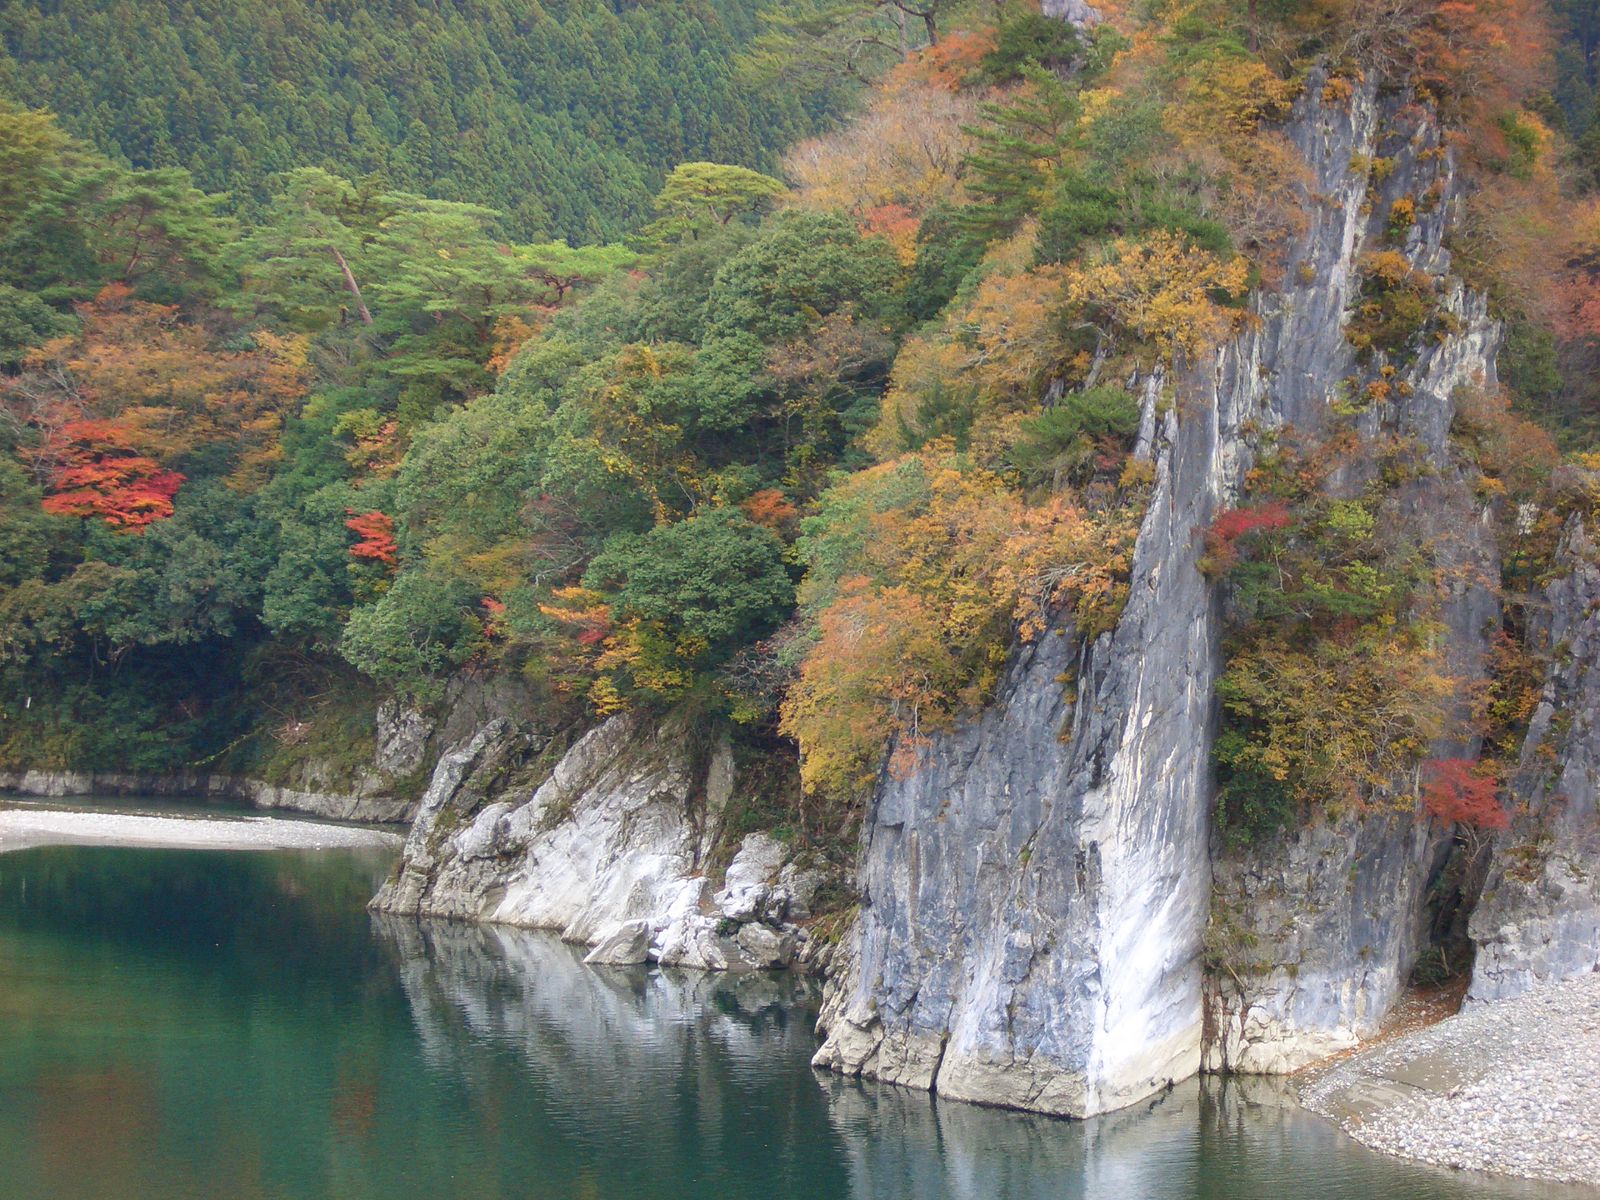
<point x="1511" y="1088"/>
<point x="21" y="828"/>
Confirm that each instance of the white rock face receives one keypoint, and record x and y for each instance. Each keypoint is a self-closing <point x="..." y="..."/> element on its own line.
<point x="627" y="944"/>
<point x="612" y="851"/>
<point x="1316" y="931"/>
<point x="1075" y="12"/>
<point x="403" y="733"/>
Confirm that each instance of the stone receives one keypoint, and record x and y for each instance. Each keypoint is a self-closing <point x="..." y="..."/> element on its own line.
<point x="609" y="850"/>
<point x="402" y="742"/>
<point x="1036" y="893"/>
<point x="627" y="944"/>
<point x="747" y="884"/>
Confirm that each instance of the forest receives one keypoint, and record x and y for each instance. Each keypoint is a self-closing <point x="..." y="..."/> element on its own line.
<point x="336" y="365"/>
<point x="563" y="116"/>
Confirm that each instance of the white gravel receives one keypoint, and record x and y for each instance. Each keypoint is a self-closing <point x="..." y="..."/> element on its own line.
<point x="1511" y="1088"/>
<point x="21" y="828"/>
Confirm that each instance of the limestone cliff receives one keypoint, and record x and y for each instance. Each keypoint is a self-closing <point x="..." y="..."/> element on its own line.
<point x="1048" y="919"/>
<point x="615" y="848"/>
<point x="1036" y="895"/>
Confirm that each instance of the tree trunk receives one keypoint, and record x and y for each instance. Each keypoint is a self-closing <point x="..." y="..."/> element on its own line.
<point x="351" y="285"/>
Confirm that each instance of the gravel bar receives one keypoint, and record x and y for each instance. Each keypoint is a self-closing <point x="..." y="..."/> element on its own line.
<point x="1512" y="1088"/>
<point x="21" y="828"/>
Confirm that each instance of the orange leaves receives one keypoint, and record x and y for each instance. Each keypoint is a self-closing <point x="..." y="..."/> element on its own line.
<point x="98" y="473"/>
<point x="908" y="150"/>
<point x="510" y="334"/>
<point x="773" y="510"/>
<point x="494" y="610"/>
<point x="923" y="570"/>
<point x="880" y="668"/>
<point x="946" y="65"/>
<point x="897" y="225"/>
<point x="1463" y="791"/>
<point x="166" y="382"/>
<point x="583" y="611"/>
<point x="375" y="531"/>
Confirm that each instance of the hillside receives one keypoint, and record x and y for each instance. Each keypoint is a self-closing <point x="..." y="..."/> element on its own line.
<point x="564" y="116"/>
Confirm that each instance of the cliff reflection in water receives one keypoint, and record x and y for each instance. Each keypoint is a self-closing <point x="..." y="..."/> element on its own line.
<point x="642" y="1082"/>
<point x="653" y="1080"/>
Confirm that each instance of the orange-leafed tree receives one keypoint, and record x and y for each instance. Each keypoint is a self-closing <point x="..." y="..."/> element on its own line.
<point x="375" y="537"/>
<point x="168" y="383"/>
<point x="1464" y="792"/>
<point x="97" y="471"/>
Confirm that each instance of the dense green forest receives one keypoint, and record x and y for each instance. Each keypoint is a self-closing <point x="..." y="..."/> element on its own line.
<point x="805" y="454"/>
<point x="563" y="115"/>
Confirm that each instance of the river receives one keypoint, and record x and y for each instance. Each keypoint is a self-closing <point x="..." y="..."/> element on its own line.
<point x="190" y="1023"/>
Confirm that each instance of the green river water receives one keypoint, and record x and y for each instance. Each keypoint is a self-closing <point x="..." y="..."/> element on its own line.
<point x="182" y="1024"/>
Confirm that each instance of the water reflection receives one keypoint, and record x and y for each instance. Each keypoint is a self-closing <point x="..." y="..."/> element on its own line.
<point x="664" y="1052"/>
<point x="644" y="1077"/>
<point x="187" y="1025"/>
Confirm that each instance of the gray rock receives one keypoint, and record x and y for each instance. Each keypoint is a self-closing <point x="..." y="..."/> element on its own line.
<point x="403" y="733"/>
<point x="747" y="886"/>
<point x="1507" y="1088"/>
<point x="1539" y="918"/>
<point x="627" y="944"/>
<point x="1075" y="12"/>
<point x="610" y="850"/>
<point x="1036" y="892"/>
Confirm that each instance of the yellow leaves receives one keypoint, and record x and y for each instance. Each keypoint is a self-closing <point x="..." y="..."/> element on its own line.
<point x="1226" y="100"/>
<point x="944" y="565"/>
<point x="511" y="333"/>
<point x="1342" y="719"/>
<point x="909" y="150"/>
<point x="1160" y="289"/>
<point x="1015" y="327"/>
<point x="1019" y="331"/>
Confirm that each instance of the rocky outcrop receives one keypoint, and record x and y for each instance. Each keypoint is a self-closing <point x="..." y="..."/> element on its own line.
<point x="1311" y="940"/>
<point x="379" y="791"/>
<point x="1034" y="893"/>
<point x="1314" y="936"/>
<point x="1037" y="892"/>
<point x="1539" y="917"/>
<point x="614" y="849"/>
<point x="1075" y="12"/>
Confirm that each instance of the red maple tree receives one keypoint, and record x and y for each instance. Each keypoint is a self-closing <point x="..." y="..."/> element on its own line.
<point x="376" y="531"/>
<point x="98" y="472"/>
<point x="1463" y="792"/>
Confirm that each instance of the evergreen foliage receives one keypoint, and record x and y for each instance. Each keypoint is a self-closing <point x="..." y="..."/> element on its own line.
<point x="563" y="115"/>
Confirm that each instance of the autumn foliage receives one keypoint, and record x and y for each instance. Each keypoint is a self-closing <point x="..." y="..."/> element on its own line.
<point x="923" y="571"/>
<point x="1461" y="791"/>
<point x="375" y="537"/>
<point x="97" y="472"/>
<point x="1232" y="524"/>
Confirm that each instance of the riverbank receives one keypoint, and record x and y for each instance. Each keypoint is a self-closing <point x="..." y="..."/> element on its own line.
<point x="371" y="803"/>
<point x="24" y="828"/>
<point x="1511" y="1088"/>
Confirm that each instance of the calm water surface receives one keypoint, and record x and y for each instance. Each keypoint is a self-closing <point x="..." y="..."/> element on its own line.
<point x="189" y="1024"/>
